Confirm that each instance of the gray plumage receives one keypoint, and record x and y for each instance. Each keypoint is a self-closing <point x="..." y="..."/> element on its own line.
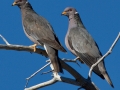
<point x="82" y="45"/>
<point x="39" y="30"/>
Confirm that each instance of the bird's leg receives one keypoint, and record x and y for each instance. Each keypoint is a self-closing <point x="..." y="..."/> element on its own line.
<point x="33" y="47"/>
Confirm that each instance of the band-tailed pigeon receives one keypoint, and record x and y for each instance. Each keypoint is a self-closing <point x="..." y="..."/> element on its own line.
<point x="82" y="45"/>
<point x="39" y="30"/>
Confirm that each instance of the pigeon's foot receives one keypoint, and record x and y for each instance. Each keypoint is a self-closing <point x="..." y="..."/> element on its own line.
<point x="33" y="47"/>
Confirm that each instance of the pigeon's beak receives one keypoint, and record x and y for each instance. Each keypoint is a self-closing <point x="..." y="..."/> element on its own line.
<point x="14" y="4"/>
<point x="64" y="13"/>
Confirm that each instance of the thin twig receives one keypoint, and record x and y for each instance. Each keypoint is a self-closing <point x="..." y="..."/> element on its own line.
<point x="47" y="72"/>
<point x="108" y="52"/>
<point x="69" y="60"/>
<point x="38" y="71"/>
<point x="4" y="40"/>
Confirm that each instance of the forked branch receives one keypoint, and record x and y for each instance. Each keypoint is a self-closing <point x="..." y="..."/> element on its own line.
<point x="79" y="80"/>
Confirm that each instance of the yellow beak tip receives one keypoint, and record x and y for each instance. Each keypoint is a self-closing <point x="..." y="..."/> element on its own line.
<point x="64" y="13"/>
<point x="14" y="4"/>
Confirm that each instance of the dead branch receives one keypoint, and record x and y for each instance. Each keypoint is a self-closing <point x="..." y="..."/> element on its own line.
<point x="4" y="40"/>
<point x="23" y="48"/>
<point x="79" y="80"/>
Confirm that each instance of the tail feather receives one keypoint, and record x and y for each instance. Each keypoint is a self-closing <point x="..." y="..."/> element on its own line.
<point x="53" y="55"/>
<point x="62" y="49"/>
<point x="106" y="76"/>
<point x="104" y="73"/>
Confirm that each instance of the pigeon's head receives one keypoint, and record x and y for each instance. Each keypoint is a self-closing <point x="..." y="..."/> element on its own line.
<point x="69" y="11"/>
<point x="19" y="2"/>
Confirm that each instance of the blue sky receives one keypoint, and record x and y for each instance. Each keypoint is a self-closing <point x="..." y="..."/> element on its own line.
<point x="101" y="18"/>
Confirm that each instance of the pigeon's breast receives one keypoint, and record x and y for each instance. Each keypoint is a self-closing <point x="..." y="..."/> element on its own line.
<point x="30" y="37"/>
<point x="67" y="44"/>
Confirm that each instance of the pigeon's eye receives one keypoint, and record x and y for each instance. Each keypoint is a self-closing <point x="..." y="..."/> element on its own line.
<point x="70" y="9"/>
<point x="20" y="0"/>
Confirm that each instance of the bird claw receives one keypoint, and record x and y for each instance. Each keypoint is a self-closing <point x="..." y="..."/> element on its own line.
<point x="33" y="47"/>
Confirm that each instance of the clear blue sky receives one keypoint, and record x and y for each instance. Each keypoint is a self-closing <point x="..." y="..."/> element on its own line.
<point x="102" y="20"/>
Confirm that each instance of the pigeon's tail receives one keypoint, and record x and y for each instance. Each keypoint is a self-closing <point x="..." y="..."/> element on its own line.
<point x="62" y="49"/>
<point x="104" y="73"/>
<point x="53" y="55"/>
<point x="107" y="78"/>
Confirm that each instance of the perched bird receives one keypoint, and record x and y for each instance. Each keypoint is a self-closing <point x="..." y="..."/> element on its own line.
<point x="82" y="45"/>
<point x="39" y="30"/>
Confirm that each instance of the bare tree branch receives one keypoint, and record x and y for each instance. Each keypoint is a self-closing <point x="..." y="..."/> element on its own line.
<point x="79" y="80"/>
<point x="23" y="48"/>
<point x="52" y="81"/>
<point x="4" y="40"/>
<point x="84" y="83"/>
<point x="108" y="52"/>
<point x="35" y="87"/>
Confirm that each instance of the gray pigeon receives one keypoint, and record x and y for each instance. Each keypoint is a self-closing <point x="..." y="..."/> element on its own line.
<point x="82" y="45"/>
<point x="39" y="30"/>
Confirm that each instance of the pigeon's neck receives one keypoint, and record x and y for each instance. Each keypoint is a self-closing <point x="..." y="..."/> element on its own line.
<point x="75" y="21"/>
<point x="26" y="8"/>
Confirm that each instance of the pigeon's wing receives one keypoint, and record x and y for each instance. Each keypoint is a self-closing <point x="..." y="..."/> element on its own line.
<point x="40" y="29"/>
<point x="83" y="44"/>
